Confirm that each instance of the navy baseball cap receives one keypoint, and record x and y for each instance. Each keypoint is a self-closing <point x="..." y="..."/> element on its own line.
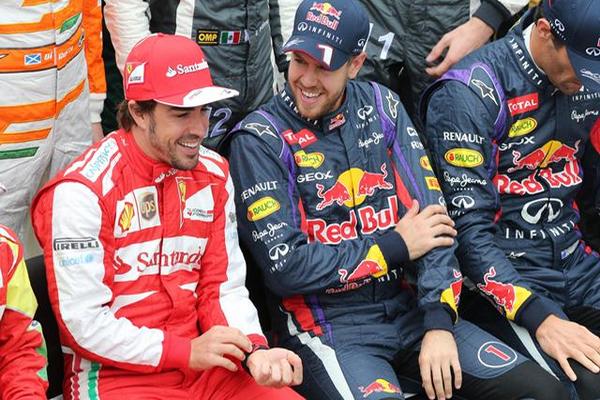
<point x="577" y="24"/>
<point x="330" y="32"/>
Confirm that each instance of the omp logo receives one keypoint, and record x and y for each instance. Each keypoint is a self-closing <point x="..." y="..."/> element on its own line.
<point x="262" y="208"/>
<point x="305" y="160"/>
<point x="126" y="217"/>
<point x="523" y="127"/>
<point x="461" y="157"/>
<point x="425" y="164"/>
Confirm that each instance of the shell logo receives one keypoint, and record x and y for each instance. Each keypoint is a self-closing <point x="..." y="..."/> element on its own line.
<point x="461" y="157"/>
<point x="522" y="127"/>
<point x="126" y="217"/>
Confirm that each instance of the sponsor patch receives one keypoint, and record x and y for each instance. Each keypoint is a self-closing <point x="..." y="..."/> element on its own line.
<point x="496" y="355"/>
<point x="308" y="160"/>
<point x="425" y="164"/>
<point x="303" y="137"/>
<point x="523" y="127"/>
<point x="461" y="157"/>
<point x="523" y="104"/>
<point x="432" y="183"/>
<point x="262" y="208"/>
<point x="207" y="38"/>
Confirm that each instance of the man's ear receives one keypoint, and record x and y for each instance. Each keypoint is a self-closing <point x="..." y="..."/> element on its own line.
<point x="138" y="116"/>
<point x="544" y="29"/>
<point x="356" y="64"/>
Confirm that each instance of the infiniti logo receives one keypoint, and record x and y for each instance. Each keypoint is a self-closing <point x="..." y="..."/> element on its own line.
<point x="302" y="26"/>
<point x="559" y="25"/>
<point x="533" y="211"/>
<point x="279" y="251"/>
<point x="364" y="112"/>
<point x="463" y="201"/>
<point x="592" y="51"/>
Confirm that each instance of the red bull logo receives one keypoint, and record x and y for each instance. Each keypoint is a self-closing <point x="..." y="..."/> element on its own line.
<point x="379" y="386"/>
<point x="370" y="220"/>
<point x="352" y="187"/>
<point x="502" y="293"/>
<point x="326" y="9"/>
<point x="365" y="269"/>
<point x="456" y="286"/>
<point x="371" y="181"/>
<point x="552" y="152"/>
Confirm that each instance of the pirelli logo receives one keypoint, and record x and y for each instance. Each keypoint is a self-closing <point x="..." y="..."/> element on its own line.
<point x="207" y="38"/>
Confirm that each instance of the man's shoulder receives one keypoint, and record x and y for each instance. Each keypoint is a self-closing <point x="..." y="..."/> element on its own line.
<point x="263" y="127"/>
<point x="212" y="163"/>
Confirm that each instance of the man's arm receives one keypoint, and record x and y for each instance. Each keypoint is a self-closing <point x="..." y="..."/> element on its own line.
<point x="92" y="24"/>
<point x="274" y="229"/>
<point x="481" y="258"/>
<point x="472" y="34"/>
<point x="78" y="285"/>
<point x="222" y="294"/>
<point x="128" y="22"/>
<point x="22" y="346"/>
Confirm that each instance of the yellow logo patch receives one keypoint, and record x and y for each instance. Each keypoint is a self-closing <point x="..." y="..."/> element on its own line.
<point x="522" y="127"/>
<point x="432" y="183"/>
<point x="425" y="164"/>
<point x="262" y="208"/>
<point x="461" y="157"/>
<point x="303" y="159"/>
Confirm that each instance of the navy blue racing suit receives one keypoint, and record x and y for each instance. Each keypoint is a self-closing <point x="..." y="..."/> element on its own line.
<point x="508" y="156"/>
<point x="317" y="202"/>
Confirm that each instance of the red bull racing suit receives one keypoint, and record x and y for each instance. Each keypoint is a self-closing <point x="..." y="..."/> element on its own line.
<point x="141" y="258"/>
<point x="317" y="202"/>
<point x="508" y="156"/>
<point x="22" y="347"/>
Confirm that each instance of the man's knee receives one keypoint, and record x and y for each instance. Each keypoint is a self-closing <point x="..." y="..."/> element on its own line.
<point x="587" y="383"/>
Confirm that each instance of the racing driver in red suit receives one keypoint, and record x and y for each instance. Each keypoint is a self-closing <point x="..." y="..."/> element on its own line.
<point x="145" y="274"/>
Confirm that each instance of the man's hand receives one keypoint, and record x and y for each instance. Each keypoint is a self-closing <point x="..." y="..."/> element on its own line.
<point x="562" y="339"/>
<point x="275" y="367"/>
<point x="217" y="346"/>
<point x="461" y="41"/>
<point x="438" y="355"/>
<point x="97" y="133"/>
<point x="425" y="230"/>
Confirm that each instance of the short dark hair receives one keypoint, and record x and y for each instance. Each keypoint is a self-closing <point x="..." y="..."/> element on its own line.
<point x="125" y="118"/>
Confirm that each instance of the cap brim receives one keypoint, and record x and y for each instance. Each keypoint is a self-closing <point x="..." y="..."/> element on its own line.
<point x="313" y="48"/>
<point x="198" y="97"/>
<point x="588" y="71"/>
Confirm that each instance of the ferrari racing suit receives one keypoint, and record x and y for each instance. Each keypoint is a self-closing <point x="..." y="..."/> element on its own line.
<point x="46" y="106"/>
<point x="317" y="202"/>
<point x="508" y="153"/>
<point x="22" y="347"/>
<point x="141" y="258"/>
<point x="235" y="37"/>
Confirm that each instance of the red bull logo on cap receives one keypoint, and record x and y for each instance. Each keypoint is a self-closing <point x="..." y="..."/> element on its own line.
<point x="352" y="187"/>
<point x="325" y="11"/>
<point x="379" y="385"/>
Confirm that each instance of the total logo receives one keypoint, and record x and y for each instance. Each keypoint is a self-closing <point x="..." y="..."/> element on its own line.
<point x="352" y="187"/>
<point x="552" y="152"/>
<point x="370" y="221"/>
<point x="461" y="157"/>
<point x="523" y="104"/>
<point x="303" y="137"/>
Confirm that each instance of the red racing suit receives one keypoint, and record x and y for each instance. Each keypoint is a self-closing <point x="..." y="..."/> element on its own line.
<point x="22" y="347"/>
<point x="141" y="258"/>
